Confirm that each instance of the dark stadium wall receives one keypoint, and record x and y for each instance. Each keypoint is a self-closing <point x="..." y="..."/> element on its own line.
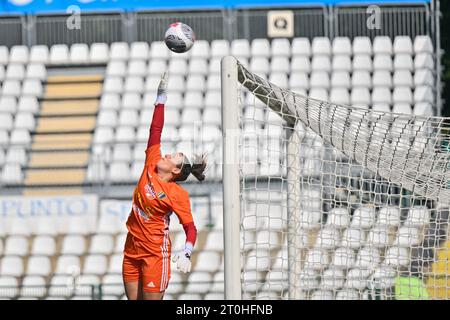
<point x="445" y="43"/>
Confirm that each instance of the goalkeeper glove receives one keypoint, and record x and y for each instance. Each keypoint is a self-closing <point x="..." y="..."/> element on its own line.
<point x="183" y="262"/>
<point x="161" y="94"/>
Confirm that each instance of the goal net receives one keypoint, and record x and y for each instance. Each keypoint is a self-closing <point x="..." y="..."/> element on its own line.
<point x="334" y="202"/>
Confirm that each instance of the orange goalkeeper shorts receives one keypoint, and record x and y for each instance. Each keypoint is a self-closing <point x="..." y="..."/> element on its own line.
<point x="152" y="268"/>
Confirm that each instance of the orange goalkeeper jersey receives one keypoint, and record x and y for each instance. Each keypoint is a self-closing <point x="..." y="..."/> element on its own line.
<point x="153" y="202"/>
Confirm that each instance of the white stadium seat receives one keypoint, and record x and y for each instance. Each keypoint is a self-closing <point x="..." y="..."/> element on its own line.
<point x="361" y="78"/>
<point x="10" y="287"/>
<point x="403" y="61"/>
<point x="59" y="54"/>
<point x="137" y="68"/>
<point x="119" y="51"/>
<point x="101" y="244"/>
<point x="280" y="47"/>
<point x="382" y="78"/>
<point x="139" y="51"/>
<point x="382" y="62"/>
<point x="368" y="258"/>
<point x="159" y="50"/>
<point x="383" y="45"/>
<point x="301" y="47"/>
<point x="260" y="47"/>
<point x="16" y="246"/>
<point x="39" y="265"/>
<point x="362" y="45"/>
<point x="321" y="46"/>
<point x="156" y="67"/>
<point x="423" y="44"/>
<point x="43" y="245"/>
<point x="33" y="286"/>
<point x="342" y="46"/>
<point x="201" y="49"/>
<point x="15" y="71"/>
<point x="11" y="266"/>
<point x="36" y="71"/>
<point x="18" y="54"/>
<point x="403" y="44"/>
<point x="240" y="48"/>
<point x="39" y="54"/>
<point x="79" y="53"/>
<point x="362" y="62"/>
<point x="4" y="55"/>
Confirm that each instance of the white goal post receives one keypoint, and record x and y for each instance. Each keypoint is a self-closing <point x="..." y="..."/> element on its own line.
<point x="326" y="201"/>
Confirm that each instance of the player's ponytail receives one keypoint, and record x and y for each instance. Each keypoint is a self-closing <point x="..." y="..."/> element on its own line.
<point x="197" y="169"/>
<point x="199" y="166"/>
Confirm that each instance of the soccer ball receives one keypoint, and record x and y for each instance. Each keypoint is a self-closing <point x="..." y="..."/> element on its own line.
<point x="179" y="37"/>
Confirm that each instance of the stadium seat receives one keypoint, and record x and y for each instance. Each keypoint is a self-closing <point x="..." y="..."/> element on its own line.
<point x="99" y="53"/>
<point x="156" y="67"/>
<point x="33" y="286"/>
<point x="112" y="284"/>
<point x="338" y="217"/>
<point x="342" y="46"/>
<point x="113" y="85"/>
<point x="362" y="45"/>
<point x="19" y="228"/>
<point x="107" y="118"/>
<point x="383" y="45"/>
<point x="407" y="237"/>
<point x="73" y="245"/>
<point x="240" y="48"/>
<point x="321" y="46"/>
<point x="301" y="47"/>
<point x="36" y="71"/>
<point x="382" y="78"/>
<point x="8" y="105"/>
<point x="260" y="65"/>
<point x="340" y="80"/>
<point x="137" y="68"/>
<point x="316" y="259"/>
<point x="120" y="240"/>
<point x="24" y="120"/>
<point x="128" y="117"/>
<point x="139" y="51"/>
<point x="378" y="237"/>
<point x="220" y="48"/>
<point x="347" y="295"/>
<point x="10" y="287"/>
<point x="332" y="279"/>
<point x="12" y="174"/>
<point x="423" y="44"/>
<point x="357" y="279"/>
<point x="381" y="95"/>
<point x="328" y="238"/>
<point x="308" y="279"/>
<point x="361" y="78"/>
<point x="116" y="69"/>
<point x="201" y="49"/>
<point x="119" y="51"/>
<point x="396" y="257"/>
<point x="119" y="172"/>
<point x="384" y="277"/>
<point x="382" y="62"/>
<point x="319" y="79"/>
<point x="11" y="88"/>
<point x="39" y="54"/>
<point x="18" y="54"/>
<point x="110" y="101"/>
<point x="280" y="64"/>
<point x="198" y="282"/>
<point x="362" y="62"/>
<point x="131" y="100"/>
<point x="134" y="84"/>
<point x="178" y="67"/>
<point x="279" y="79"/>
<point x="321" y="63"/>
<point x="59" y="54"/>
<point x="360" y="96"/>
<point x="280" y="47"/>
<point x="403" y="62"/>
<point x="423" y="77"/>
<point x="38" y="265"/>
<point x="423" y="61"/>
<point x="343" y="258"/>
<point x="404" y="108"/>
<point x="16" y="246"/>
<point x="403" y="44"/>
<point x="95" y="265"/>
<point x="423" y="94"/>
<point x="389" y="216"/>
<point x="43" y="244"/>
<point x="79" y="53"/>
<point x="402" y="95"/>
<point x="32" y="87"/>
<point x="11" y="266"/>
<point x="260" y="48"/>
<point x="159" y="50"/>
<point x="195" y="82"/>
<point x="101" y="244"/>
<point x="6" y="121"/>
<point x="364" y="217"/>
<point x="423" y="109"/>
<point x="300" y="63"/>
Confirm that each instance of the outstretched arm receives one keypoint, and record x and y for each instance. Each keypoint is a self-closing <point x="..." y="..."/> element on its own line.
<point x="158" y="114"/>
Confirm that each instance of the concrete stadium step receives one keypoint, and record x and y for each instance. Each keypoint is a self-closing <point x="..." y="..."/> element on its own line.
<point x="58" y="141"/>
<point x="52" y="159"/>
<point x="54" y="177"/>
<point x="69" y="107"/>
<point x="66" y="124"/>
<point x="73" y="90"/>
